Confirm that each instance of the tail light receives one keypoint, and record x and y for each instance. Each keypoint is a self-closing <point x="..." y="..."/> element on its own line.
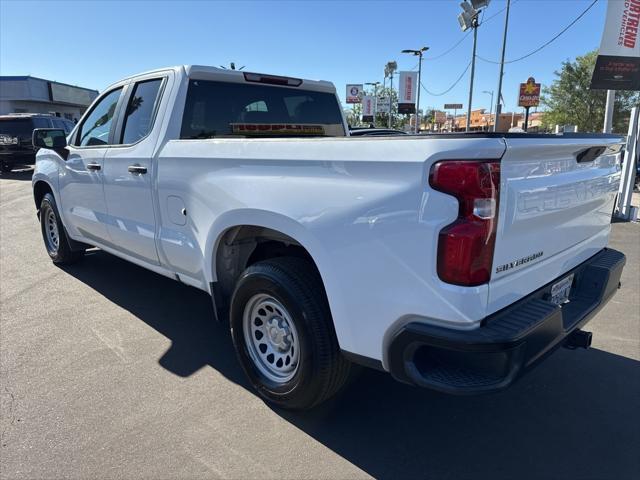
<point x="465" y="247"/>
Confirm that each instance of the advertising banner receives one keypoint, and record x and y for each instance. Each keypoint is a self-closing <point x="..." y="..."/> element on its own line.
<point x="618" y="63"/>
<point x="354" y="93"/>
<point x="383" y="105"/>
<point x="368" y="108"/>
<point x="529" y="95"/>
<point x="407" y="94"/>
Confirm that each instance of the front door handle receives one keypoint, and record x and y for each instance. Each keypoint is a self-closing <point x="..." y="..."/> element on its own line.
<point x="137" y="169"/>
<point x="93" y="167"/>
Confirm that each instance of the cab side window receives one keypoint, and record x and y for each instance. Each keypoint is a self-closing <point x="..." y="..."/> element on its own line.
<point x="94" y="130"/>
<point x="140" y="111"/>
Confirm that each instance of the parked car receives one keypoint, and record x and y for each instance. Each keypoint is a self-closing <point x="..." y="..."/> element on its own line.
<point x="454" y="262"/>
<point x="16" y="130"/>
<point x="372" y="132"/>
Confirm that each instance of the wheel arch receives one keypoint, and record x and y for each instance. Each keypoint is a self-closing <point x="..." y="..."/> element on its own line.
<point x="248" y="229"/>
<point x="40" y="188"/>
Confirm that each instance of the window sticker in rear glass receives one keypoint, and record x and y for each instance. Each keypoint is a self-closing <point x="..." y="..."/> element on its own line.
<point x="276" y="129"/>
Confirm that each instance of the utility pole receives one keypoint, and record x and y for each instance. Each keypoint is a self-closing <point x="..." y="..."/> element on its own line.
<point x="469" y="18"/>
<point x="504" y="49"/>
<point x="473" y="70"/>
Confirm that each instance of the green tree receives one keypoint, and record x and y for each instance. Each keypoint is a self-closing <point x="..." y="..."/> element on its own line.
<point x="569" y="101"/>
<point x="353" y="112"/>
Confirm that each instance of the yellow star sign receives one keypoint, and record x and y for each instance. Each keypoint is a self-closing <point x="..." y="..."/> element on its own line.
<point x="530" y="88"/>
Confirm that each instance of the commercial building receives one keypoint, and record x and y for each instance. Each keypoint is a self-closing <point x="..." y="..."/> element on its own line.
<point x="26" y="94"/>
<point x="481" y="120"/>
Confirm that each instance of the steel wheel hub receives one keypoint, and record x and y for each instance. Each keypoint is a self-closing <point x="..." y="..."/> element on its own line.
<point x="51" y="229"/>
<point x="271" y="338"/>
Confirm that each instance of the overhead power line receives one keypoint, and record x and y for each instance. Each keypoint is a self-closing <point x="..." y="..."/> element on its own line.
<point x="546" y="44"/>
<point x="453" y="47"/>
<point x="448" y="89"/>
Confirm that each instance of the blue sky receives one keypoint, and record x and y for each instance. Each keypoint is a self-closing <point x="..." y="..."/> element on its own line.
<point x="95" y="43"/>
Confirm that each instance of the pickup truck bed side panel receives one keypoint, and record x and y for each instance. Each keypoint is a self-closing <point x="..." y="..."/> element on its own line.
<point x="370" y="202"/>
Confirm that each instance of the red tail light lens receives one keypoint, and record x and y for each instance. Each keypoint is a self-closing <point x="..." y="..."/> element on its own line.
<point x="465" y="247"/>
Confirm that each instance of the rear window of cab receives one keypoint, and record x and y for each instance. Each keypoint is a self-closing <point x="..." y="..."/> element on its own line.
<point x="221" y="109"/>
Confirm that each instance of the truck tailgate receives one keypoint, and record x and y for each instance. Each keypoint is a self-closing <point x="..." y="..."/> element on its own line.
<point x="556" y="200"/>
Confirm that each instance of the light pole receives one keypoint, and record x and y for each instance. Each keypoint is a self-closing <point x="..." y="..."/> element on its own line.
<point x="375" y="94"/>
<point x="490" y="107"/>
<point x="417" y="53"/>
<point x="469" y="18"/>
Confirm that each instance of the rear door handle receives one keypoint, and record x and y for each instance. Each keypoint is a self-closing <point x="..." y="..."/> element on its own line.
<point x="137" y="169"/>
<point x="93" y="167"/>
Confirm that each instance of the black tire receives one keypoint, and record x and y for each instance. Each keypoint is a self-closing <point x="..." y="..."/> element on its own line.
<point x="60" y="252"/>
<point x="6" y="168"/>
<point x="321" y="369"/>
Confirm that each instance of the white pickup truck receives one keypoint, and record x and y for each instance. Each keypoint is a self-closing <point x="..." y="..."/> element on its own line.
<point x="454" y="262"/>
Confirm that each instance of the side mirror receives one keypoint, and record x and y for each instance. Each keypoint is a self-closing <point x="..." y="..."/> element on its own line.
<point x="51" y="138"/>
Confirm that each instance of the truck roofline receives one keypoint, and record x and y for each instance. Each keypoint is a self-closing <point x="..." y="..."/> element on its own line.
<point x="206" y="72"/>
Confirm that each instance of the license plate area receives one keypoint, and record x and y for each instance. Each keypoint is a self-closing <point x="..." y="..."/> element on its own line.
<point x="559" y="293"/>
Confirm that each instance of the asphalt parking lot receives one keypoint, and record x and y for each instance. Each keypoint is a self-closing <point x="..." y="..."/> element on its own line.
<point x="110" y="371"/>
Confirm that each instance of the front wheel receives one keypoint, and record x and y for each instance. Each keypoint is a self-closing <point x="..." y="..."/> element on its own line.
<point x="283" y="334"/>
<point x="5" y="167"/>
<point x="54" y="235"/>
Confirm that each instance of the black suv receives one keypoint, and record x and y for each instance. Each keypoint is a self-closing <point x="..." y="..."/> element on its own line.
<point x="15" y="137"/>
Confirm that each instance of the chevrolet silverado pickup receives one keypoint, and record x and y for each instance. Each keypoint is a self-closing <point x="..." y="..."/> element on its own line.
<point x="453" y="262"/>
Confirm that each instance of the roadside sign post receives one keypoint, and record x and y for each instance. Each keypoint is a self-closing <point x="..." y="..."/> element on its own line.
<point x="628" y="174"/>
<point x="526" y="118"/>
<point x="528" y="97"/>
<point x="608" y="111"/>
<point x="455" y="107"/>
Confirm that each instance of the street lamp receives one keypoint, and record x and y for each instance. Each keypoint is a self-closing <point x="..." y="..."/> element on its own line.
<point x="417" y="53"/>
<point x="490" y="106"/>
<point x="469" y="18"/>
<point x="375" y="86"/>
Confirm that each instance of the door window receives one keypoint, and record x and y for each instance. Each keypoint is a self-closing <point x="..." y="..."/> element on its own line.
<point x="94" y="130"/>
<point x="140" y="111"/>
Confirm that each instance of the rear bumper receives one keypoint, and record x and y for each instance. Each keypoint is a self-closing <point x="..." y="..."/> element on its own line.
<point x="510" y="341"/>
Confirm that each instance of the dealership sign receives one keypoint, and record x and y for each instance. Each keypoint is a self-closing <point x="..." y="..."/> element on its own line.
<point x="529" y="93"/>
<point x="407" y="96"/>
<point x="453" y="106"/>
<point x="439" y="117"/>
<point x="354" y="93"/>
<point x="383" y="105"/>
<point x="368" y="108"/>
<point x="618" y="63"/>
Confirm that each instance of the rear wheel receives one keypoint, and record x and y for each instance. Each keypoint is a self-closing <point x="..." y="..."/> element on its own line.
<point x="54" y="235"/>
<point x="283" y="334"/>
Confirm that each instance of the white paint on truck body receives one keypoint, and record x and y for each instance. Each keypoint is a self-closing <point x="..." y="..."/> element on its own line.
<point x="362" y="207"/>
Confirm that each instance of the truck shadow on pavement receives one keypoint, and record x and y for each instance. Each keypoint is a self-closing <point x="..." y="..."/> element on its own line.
<point x="575" y="416"/>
